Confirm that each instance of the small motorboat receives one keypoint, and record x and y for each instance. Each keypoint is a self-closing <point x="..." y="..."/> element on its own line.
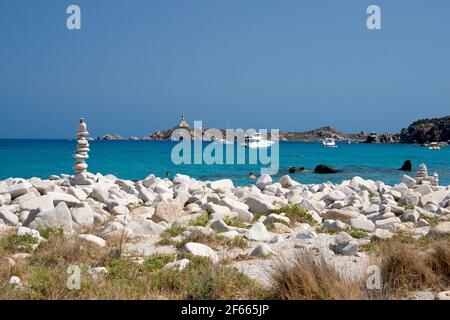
<point x="329" y="143"/>
<point x="434" y="146"/>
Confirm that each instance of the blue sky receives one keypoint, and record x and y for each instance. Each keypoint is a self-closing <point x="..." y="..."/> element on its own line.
<point x="135" y="66"/>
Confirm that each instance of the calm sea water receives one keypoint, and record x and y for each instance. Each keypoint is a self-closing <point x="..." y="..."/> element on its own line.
<point x="137" y="159"/>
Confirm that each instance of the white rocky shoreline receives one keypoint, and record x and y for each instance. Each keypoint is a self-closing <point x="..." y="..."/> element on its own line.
<point x="141" y="211"/>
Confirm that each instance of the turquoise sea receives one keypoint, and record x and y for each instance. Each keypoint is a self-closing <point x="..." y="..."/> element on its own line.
<point x="137" y="159"/>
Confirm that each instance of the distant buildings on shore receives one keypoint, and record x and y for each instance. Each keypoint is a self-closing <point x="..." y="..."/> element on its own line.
<point x="183" y="123"/>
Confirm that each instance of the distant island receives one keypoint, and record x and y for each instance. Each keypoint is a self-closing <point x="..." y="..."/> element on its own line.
<point x="422" y="131"/>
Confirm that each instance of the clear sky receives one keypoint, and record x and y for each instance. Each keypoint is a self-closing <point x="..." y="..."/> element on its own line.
<point x="136" y="65"/>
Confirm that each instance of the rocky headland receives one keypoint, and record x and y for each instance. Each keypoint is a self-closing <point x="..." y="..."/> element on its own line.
<point x="420" y="132"/>
<point x="427" y="131"/>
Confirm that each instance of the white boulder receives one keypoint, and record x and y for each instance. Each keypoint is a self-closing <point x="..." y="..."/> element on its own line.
<point x="58" y="218"/>
<point x="263" y="181"/>
<point x="199" y="249"/>
<point x="258" y="232"/>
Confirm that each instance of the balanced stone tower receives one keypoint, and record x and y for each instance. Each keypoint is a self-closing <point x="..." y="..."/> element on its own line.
<point x="81" y="154"/>
<point x="422" y="172"/>
<point x="423" y="177"/>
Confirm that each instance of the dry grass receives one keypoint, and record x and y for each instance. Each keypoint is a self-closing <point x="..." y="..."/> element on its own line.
<point x="439" y="261"/>
<point x="409" y="265"/>
<point x="307" y="277"/>
<point x="406" y="265"/>
<point x="404" y="270"/>
<point x="45" y="275"/>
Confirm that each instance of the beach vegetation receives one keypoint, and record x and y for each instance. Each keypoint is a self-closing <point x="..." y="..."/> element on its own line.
<point x="357" y="233"/>
<point x="309" y="277"/>
<point x="14" y="243"/>
<point x="157" y="262"/>
<point x="46" y="233"/>
<point x="201" y="220"/>
<point x="433" y="221"/>
<point x="407" y="265"/>
<point x="235" y="222"/>
<point x="258" y="215"/>
<point x="213" y="240"/>
<point x="44" y="275"/>
<point x="172" y="231"/>
<point x="296" y="214"/>
<point x="323" y="229"/>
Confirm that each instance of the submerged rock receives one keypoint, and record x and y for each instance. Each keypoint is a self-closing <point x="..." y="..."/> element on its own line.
<point x="324" y="169"/>
<point x="296" y="169"/>
<point x="407" y="166"/>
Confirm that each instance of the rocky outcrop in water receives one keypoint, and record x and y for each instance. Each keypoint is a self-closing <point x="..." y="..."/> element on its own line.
<point x="111" y="136"/>
<point x="383" y="138"/>
<point x="296" y="169"/>
<point x="427" y="130"/>
<point x="324" y="169"/>
<point x="407" y="166"/>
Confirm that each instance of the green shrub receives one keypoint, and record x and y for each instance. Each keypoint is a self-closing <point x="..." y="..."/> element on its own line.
<point x="357" y="233"/>
<point x="236" y="222"/>
<point x="201" y="220"/>
<point x="157" y="262"/>
<point x="15" y="243"/>
<point x="297" y="214"/>
<point x="173" y="231"/>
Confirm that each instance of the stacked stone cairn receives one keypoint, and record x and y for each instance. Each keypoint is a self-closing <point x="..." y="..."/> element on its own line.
<point x="422" y="176"/>
<point x="81" y="155"/>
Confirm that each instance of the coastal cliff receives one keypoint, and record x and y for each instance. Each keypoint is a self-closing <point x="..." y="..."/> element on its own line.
<point x="427" y="130"/>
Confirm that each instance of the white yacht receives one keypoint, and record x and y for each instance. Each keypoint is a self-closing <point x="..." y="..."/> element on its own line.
<point x="434" y="146"/>
<point x="256" y="141"/>
<point x="329" y="142"/>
